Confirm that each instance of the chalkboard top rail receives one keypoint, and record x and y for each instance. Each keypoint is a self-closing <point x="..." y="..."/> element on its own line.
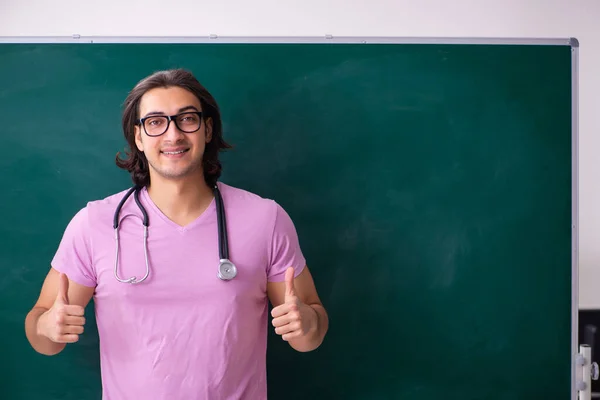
<point x="214" y="38"/>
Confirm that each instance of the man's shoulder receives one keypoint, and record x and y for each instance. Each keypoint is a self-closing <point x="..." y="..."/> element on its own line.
<point x="240" y="197"/>
<point x="96" y="214"/>
<point x="107" y="204"/>
<point x="250" y="207"/>
<point x="112" y="199"/>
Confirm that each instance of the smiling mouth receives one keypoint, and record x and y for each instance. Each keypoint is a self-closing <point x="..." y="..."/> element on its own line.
<point x="174" y="152"/>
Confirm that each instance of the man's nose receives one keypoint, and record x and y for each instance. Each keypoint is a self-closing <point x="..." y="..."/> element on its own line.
<point x="173" y="132"/>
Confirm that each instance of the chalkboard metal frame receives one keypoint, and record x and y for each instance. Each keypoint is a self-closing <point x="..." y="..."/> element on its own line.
<point x="575" y="212"/>
<point x="214" y="38"/>
<point x="572" y="42"/>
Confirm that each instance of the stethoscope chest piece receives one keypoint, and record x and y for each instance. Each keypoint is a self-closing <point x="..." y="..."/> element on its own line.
<point x="227" y="270"/>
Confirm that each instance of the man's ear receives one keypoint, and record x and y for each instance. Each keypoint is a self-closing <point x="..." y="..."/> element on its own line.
<point x="209" y="129"/>
<point x="138" y="138"/>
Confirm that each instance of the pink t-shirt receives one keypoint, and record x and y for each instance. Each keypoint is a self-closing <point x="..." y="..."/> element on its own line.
<point x="183" y="333"/>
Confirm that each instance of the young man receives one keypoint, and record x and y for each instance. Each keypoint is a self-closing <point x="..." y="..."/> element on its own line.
<point x="185" y="331"/>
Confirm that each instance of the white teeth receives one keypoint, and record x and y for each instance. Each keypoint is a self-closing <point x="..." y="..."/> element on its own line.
<point x="173" y="152"/>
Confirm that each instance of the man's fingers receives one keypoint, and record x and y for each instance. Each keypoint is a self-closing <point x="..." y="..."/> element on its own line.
<point x="69" y="338"/>
<point x="291" y="315"/>
<point x="74" y="310"/>
<point x="291" y="335"/>
<point x="288" y="328"/>
<point x="70" y="329"/>
<point x="73" y="329"/>
<point x="283" y="320"/>
<point x="283" y="309"/>
<point x="280" y="310"/>
<point x="72" y="320"/>
<point x="281" y="330"/>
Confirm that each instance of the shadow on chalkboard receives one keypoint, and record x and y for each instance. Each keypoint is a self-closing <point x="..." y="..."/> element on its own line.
<point x="589" y="321"/>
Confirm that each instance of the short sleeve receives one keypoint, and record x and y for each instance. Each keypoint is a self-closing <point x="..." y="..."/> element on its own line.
<point x="74" y="255"/>
<point x="284" y="247"/>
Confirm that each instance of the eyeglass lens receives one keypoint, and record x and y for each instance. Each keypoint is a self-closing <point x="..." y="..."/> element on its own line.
<point x="186" y="122"/>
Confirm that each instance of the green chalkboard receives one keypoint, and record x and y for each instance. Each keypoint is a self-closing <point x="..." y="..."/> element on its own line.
<point x="431" y="185"/>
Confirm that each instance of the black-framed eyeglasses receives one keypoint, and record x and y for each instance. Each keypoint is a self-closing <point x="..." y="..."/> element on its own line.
<point x="156" y="125"/>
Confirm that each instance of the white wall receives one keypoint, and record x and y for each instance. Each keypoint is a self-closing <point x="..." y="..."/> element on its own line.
<point x="466" y="18"/>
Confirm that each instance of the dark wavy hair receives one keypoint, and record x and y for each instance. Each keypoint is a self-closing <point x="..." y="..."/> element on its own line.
<point x="135" y="161"/>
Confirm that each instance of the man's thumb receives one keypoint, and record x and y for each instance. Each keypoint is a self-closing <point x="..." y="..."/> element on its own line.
<point x="289" y="282"/>
<point x="63" y="289"/>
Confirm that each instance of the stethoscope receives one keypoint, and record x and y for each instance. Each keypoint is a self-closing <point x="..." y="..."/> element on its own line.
<point x="226" y="270"/>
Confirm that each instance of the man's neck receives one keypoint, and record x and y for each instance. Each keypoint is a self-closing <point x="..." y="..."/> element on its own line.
<point x="182" y="201"/>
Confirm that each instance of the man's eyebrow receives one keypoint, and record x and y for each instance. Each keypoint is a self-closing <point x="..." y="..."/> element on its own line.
<point x="187" y="108"/>
<point x="182" y="109"/>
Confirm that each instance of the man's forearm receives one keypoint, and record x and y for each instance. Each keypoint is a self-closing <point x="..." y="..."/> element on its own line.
<point x="314" y="338"/>
<point x="40" y="343"/>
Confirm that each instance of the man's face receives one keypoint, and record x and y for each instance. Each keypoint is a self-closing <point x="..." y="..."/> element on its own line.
<point x="175" y="154"/>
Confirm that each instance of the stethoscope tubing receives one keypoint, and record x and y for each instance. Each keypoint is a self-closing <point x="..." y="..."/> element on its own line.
<point x="227" y="269"/>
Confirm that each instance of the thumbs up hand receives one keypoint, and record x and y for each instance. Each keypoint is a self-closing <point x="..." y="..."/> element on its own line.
<point x="293" y="318"/>
<point x="63" y="322"/>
